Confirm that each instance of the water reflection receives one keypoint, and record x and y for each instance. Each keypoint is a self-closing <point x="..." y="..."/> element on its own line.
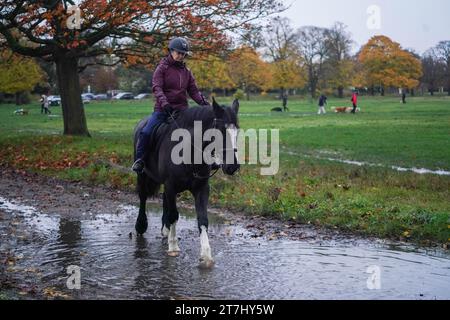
<point x="117" y="266"/>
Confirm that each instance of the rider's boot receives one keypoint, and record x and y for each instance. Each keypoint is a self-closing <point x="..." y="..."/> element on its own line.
<point x="139" y="164"/>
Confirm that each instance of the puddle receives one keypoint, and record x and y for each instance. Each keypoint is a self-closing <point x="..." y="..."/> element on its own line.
<point x="361" y="164"/>
<point x="115" y="265"/>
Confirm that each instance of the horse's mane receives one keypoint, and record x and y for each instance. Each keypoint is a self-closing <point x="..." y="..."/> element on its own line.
<point x="187" y="117"/>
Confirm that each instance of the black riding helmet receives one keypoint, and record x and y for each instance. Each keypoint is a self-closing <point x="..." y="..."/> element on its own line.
<point x="180" y="45"/>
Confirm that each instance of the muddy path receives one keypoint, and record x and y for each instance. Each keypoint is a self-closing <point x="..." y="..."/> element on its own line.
<point x="48" y="226"/>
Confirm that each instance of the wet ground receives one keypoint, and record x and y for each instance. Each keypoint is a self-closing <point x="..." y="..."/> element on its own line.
<point x="46" y="226"/>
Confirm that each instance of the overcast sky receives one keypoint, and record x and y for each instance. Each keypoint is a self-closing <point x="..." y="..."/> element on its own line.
<point x="414" y="24"/>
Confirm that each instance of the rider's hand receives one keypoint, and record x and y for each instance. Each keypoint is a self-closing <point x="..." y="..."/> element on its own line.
<point x="169" y="109"/>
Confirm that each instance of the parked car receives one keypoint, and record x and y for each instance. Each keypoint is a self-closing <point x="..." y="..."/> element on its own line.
<point x="87" y="96"/>
<point x="124" y="96"/>
<point x="54" y="101"/>
<point x="101" y="96"/>
<point x="142" y="96"/>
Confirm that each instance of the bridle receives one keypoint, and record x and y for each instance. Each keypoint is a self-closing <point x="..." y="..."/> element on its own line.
<point x="214" y="126"/>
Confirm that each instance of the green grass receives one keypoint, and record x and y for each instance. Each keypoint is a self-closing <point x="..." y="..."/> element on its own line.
<point x="368" y="200"/>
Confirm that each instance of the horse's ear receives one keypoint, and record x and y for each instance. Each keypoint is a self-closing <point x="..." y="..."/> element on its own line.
<point x="235" y="106"/>
<point x="218" y="110"/>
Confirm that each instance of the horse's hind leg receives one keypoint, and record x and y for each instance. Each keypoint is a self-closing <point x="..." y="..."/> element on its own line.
<point x="173" y="215"/>
<point x="141" y="221"/>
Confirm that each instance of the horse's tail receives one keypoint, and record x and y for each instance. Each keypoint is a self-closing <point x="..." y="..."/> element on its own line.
<point x="147" y="186"/>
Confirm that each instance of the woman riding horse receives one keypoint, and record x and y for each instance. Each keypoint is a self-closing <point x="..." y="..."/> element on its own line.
<point x="171" y="83"/>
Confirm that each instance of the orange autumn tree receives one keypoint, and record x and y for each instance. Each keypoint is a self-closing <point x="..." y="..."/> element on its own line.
<point x="288" y="73"/>
<point x="386" y="64"/>
<point x="211" y="73"/>
<point x="249" y="71"/>
<point x="132" y="31"/>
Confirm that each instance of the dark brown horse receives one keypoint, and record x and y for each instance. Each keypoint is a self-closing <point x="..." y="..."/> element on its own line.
<point x="190" y="175"/>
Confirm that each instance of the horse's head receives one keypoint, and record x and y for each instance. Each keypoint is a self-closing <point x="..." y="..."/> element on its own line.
<point x="226" y="121"/>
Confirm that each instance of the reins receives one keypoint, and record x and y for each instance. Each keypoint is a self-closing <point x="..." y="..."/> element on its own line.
<point x="196" y="174"/>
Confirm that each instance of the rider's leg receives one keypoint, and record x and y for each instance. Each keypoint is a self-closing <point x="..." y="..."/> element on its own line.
<point x="144" y="137"/>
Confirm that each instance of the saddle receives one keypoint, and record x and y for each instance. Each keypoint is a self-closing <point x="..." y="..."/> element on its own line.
<point x="160" y="130"/>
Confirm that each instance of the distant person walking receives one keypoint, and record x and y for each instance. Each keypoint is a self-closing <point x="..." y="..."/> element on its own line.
<point x="354" y="100"/>
<point x="322" y="103"/>
<point x="284" y="97"/>
<point x="403" y="97"/>
<point x="44" y="104"/>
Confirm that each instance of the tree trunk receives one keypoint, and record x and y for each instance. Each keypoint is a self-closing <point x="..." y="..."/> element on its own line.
<point x="72" y="105"/>
<point x="340" y="92"/>
<point x="382" y="91"/>
<point x="372" y="91"/>
<point x="17" y="98"/>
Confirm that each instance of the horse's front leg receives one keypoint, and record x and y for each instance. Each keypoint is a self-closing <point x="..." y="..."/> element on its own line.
<point x="171" y="223"/>
<point x="141" y="221"/>
<point x="201" y="195"/>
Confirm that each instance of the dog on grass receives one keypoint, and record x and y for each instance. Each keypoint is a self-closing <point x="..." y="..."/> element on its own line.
<point x="21" y="112"/>
<point x="278" y="109"/>
<point x="344" y="109"/>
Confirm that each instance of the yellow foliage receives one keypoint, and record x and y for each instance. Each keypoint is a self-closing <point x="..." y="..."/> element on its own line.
<point x="211" y="72"/>
<point x="18" y="73"/>
<point x="388" y="65"/>
<point x="248" y="70"/>
<point x="287" y="74"/>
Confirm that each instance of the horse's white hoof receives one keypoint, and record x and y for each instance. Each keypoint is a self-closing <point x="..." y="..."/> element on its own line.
<point x="206" y="263"/>
<point x="173" y="253"/>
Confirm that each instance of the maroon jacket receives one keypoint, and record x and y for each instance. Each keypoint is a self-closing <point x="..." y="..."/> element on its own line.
<point x="171" y="83"/>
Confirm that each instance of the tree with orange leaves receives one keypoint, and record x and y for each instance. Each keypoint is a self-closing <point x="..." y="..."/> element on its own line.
<point x="249" y="71"/>
<point x="386" y="64"/>
<point x="211" y="73"/>
<point x="131" y="31"/>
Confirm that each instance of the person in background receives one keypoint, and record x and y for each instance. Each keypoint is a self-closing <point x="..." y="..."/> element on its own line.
<point x="322" y="103"/>
<point x="284" y="97"/>
<point x="44" y="104"/>
<point x="354" y="100"/>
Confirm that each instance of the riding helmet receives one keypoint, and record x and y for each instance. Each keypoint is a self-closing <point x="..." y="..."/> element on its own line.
<point x="180" y="45"/>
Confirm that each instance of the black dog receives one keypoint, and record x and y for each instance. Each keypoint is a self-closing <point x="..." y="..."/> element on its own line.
<point x="278" y="109"/>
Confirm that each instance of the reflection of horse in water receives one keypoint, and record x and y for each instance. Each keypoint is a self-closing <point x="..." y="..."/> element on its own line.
<point x="176" y="178"/>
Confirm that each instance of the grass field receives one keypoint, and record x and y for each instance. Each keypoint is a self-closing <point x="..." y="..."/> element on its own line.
<point x="371" y="200"/>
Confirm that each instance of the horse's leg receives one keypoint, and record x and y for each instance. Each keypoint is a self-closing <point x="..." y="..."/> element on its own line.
<point x="141" y="221"/>
<point x="201" y="195"/>
<point x="171" y="199"/>
<point x="165" y="218"/>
